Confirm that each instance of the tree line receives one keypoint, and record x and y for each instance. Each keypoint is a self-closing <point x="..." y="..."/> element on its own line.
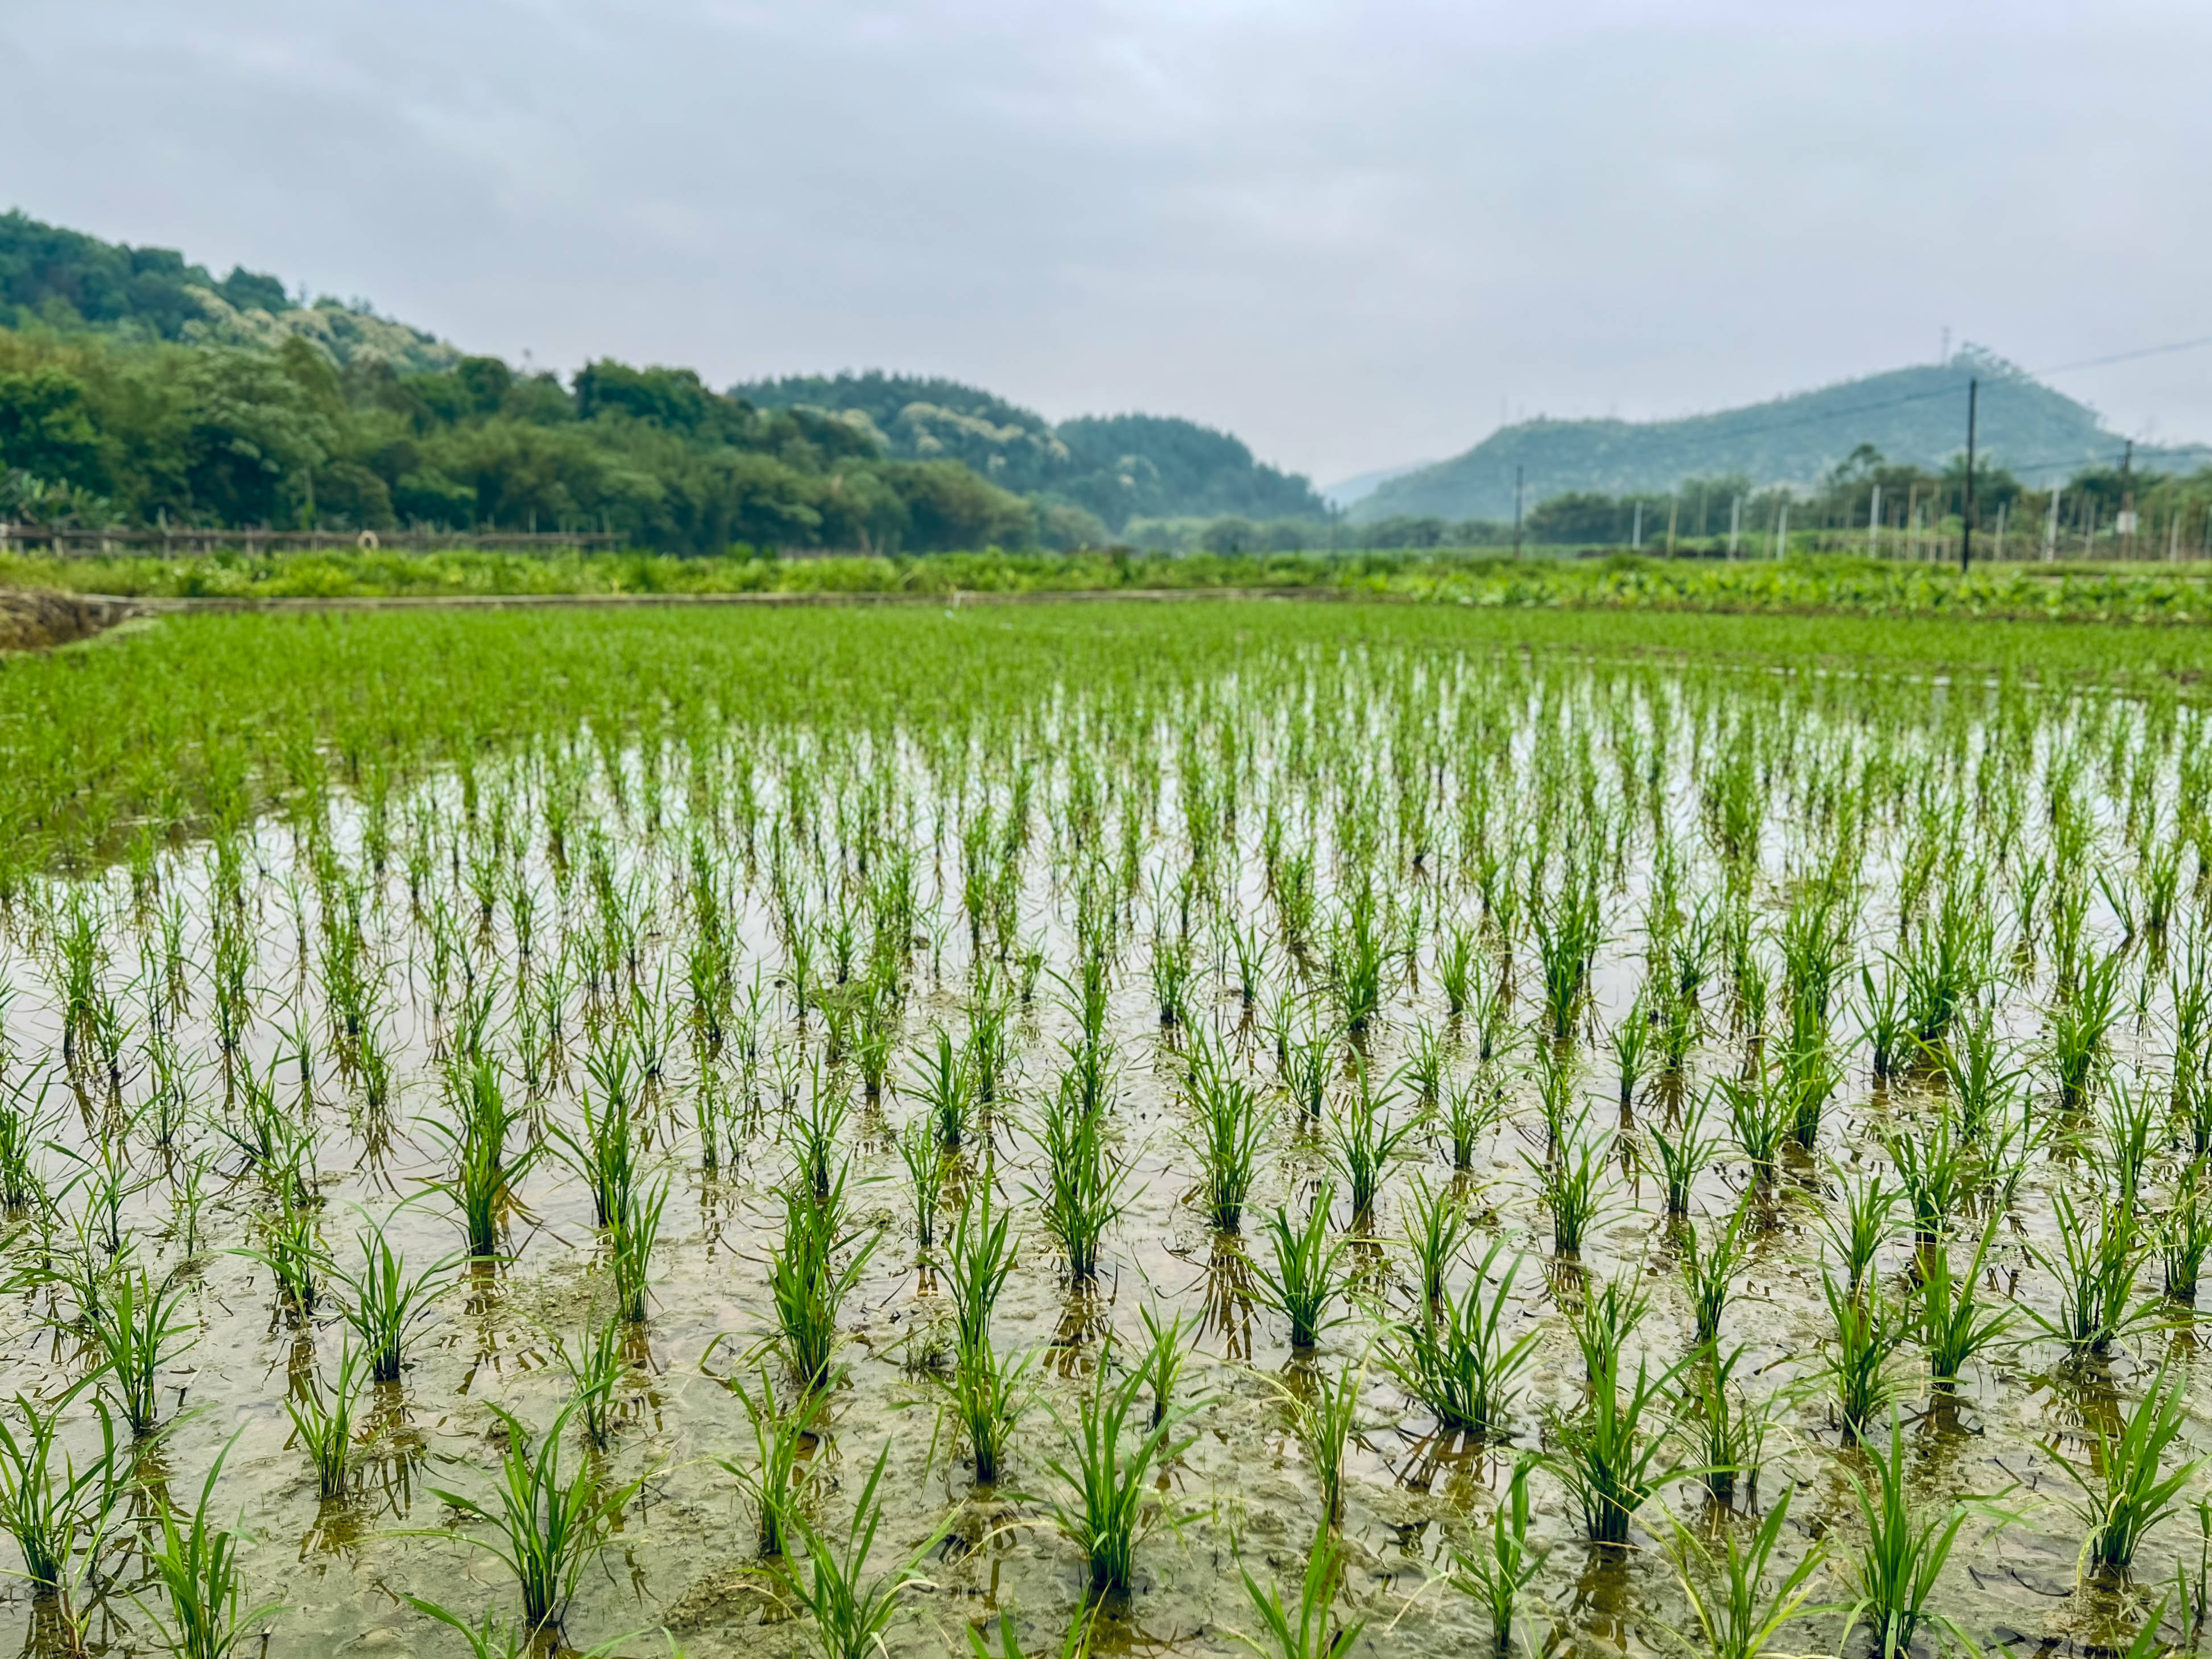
<point x="99" y="431"/>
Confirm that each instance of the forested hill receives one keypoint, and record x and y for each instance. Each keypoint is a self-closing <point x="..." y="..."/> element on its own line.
<point x="1119" y="467"/>
<point x="67" y="281"/>
<point x="1912" y="416"/>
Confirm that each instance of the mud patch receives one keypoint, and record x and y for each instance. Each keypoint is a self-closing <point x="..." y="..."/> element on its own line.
<point x="36" y="619"/>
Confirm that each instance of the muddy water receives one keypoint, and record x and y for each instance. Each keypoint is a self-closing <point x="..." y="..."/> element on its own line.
<point x="335" y="1571"/>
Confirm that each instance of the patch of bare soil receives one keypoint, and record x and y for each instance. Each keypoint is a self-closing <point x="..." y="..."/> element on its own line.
<point x="34" y="619"/>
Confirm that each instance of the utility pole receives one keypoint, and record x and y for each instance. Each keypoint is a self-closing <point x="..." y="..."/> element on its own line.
<point x="1635" y="536"/>
<point x="2051" y="524"/>
<point x="1516" y="509"/>
<point x="1736" y="522"/>
<point x="1966" y="517"/>
<point x="1782" y="531"/>
<point x="2127" y="524"/>
<point x="1874" y="525"/>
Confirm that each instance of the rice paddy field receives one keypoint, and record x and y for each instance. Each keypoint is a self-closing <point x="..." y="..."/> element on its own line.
<point x="1324" y="1129"/>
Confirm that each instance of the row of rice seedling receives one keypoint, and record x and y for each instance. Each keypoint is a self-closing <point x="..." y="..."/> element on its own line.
<point x="1338" y="1143"/>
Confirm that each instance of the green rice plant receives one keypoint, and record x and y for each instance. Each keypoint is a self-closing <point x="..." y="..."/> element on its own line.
<point x="1864" y="1225"/>
<point x="1611" y="1457"/>
<point x="1172" y="971"/>
<point x="819" y="1137"/>
<point x="548" y="1525"/>
<point x="1682" y="1154"/>
<point x="2129" y="1128"/>
<point x="1424" y="1067"/>
<point x="2127" y="1489"/>
<point x="595" y="1368"/>
<point x="1762" y="1118"/>
<point x="1458" y="1359"/>
<point x="1111" y="1505"/>
<point x="23" y="1127"/>
<point x="135" y="1327"/>
<point x="1324" y="1416"/>
<point x="924" y="1156"/>
<point x="1634" y="1044"/>
<point x="988" y="1392"/>
<point x="2081" y="1030"/>
<point x="1707" y="1268"/>
<point x="1498" y="1575"/>
<point x="1308" y="1063"/>
<point x="1805" y="1079"/>
<point x="483" y="1178"/>
<point x="323" y="1423"/>
<point x="943" y="1084"/>
<point x="1680" y="1026"/>
<point x="1167" y="1350"/>
<point x="1724" y="1429"/>
<point x="1359" y="959"/>
<point x="1226" y="1140"/>
<point x="808" y="1282"/>
<point x="1737" y="1615"/>
<point x="1572" y="1185"/>
<point x="386" y="1305"/>
<point x="850" y="1615"/>
<point x="1606" y="1319"/>
<point x="1953" y="1323"/>
<point x="1362" y="1141"/>
<point x="1857" y="1357"/>
<point x="1311" y="1631"/>
<point x="603" y="1150"/>
<point x="781" y="1436"/>
<point x="1086" y="1187"/>
<point x="1456" y="962"/>
<point x="1304" y="1280"/>
<point x="1471" y="1111"/>
<point x="630" y="1240"/>
<point x="1568" y="932"/>
<point x="1944" y="965"/>
<point x="2097" y="1261"/>
<point x="55" y="1514"/>
<point x="196" y="1565"/>
<point x="976" y="1267"/>
<point x="1897" y="1569"/>
<point x="1983" y="1086"/>
<point x="1934" y="1170"/>
<point x="291" y="1251"/>
<point x="2185" y="1236"/>
<point x="1436" y="1226"/>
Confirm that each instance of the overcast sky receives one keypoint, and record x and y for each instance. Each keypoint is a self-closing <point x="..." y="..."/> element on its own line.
<point x="1355" y="235"/>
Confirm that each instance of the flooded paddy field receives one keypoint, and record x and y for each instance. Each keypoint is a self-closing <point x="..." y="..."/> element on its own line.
<point x="1450" y="1144"/>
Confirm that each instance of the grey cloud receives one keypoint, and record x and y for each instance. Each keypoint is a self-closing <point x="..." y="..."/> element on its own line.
<point x="1346" y="232"/>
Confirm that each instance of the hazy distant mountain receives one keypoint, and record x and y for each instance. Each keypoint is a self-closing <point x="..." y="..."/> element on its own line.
<point x="1913" y="415"/>
<point x="1343" y="493"/>
<point x="1117" y="466"/>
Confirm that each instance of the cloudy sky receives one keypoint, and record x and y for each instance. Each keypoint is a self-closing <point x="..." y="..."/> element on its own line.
<point x="1356" y="235"/>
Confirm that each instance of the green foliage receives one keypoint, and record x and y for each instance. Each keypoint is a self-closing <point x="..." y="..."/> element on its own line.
<point x="549" y="1524"/>
<point x="1110" y="1506"/>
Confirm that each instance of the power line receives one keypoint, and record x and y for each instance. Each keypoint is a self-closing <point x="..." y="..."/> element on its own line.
<point x="2126" y="356"/>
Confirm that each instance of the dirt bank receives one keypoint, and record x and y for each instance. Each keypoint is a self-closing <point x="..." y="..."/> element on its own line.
<point x="33" y="619"/>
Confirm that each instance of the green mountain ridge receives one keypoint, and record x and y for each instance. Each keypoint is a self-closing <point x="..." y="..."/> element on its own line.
<point x="1117" y="467"/>
<point x="1914" y="417"/>
<point x="63" y="279"/>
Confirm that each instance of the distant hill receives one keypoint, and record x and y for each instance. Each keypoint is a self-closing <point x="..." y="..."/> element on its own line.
<point x="1117" y="466"/>
<point x="1914" y="416"/>
<point x="1345" y="491"/>
<point x="67" y="280"/>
